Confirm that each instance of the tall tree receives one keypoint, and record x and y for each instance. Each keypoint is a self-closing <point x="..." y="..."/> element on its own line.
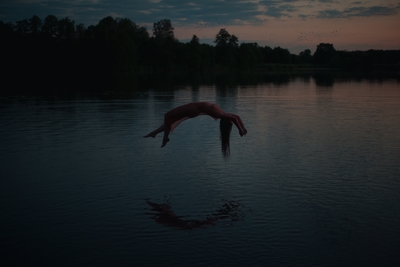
<point x="222" y="38"/>
<point x="249" y="56"/>
<point x="282" y="55"/>
<point x="142" y="32"/>
<point x="163" y="29"/>
<point x="22" y="26"/>
<point x="50" y="25"/>
<point x="306" y="56"/>
<point x="6" y="28"/>
<point x="35" y="24"/>
<point x="226" y="48"/>
<point x="195" y="40"/>
<point x="193" y="57"/>
<point x="233" y="41"/>
<point x="106" y="28"/>
<point x="80" y="31"/>
<point x="127" y="26"/>
<point x="66" y="28"/>
<point x="324" y="53"/>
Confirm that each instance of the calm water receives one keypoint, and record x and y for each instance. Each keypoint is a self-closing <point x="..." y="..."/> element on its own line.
<point x="315" y="182"/>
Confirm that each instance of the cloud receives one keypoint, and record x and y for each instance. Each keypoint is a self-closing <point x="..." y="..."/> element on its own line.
<point x="330" y="13"/>
<point x="358" y="12"/>
<point x="372" y="11"/>
<point x="213" y="12"/>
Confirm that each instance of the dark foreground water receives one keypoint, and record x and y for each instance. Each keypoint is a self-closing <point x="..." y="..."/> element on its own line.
<point x="315" y="182"/>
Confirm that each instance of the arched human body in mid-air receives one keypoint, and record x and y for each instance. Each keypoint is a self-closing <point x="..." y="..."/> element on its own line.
<point x="175" y="116"/>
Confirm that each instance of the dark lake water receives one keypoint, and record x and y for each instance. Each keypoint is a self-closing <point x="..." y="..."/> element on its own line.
<point x="315" y="182"/>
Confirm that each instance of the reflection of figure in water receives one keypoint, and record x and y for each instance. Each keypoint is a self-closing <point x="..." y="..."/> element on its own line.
<point x="175" y="116"/>
<point x="165" y="215"/>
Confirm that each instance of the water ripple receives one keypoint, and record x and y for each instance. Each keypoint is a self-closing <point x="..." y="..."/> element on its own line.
<point x="314" y="183"/>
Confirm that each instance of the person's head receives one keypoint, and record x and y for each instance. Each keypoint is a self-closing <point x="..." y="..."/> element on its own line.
<point x="225" y="127"/>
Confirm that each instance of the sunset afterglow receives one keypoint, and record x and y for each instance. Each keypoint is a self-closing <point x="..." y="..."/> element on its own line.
<point x="291" y="24"/>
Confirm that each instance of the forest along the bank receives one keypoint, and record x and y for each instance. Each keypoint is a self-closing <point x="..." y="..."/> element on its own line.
<point x="58" y="53"/>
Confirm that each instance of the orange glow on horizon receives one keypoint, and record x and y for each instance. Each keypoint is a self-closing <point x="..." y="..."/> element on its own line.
<point x="296" y="34"/>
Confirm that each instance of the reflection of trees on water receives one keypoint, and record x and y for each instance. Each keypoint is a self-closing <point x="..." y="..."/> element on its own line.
<point x="324" y="79"/>
<point x="226" y="82"/>
<point x="230" y="211"/>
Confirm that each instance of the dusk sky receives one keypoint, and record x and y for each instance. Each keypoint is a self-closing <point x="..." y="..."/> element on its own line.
<point x="291" y="24"/>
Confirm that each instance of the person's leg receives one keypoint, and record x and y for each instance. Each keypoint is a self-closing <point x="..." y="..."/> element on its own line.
<point x="165" y="138"/>
<point x="156" y="131"/>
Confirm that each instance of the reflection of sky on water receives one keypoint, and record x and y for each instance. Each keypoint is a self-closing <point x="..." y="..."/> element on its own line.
<point x="318" y="168"/>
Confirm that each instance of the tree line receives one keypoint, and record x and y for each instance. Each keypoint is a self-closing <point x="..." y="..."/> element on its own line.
<point x="62" y="52"/>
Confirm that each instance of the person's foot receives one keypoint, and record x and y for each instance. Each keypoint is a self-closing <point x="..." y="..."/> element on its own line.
<point x="150" y="135"/>
<point x="165" y="141"/>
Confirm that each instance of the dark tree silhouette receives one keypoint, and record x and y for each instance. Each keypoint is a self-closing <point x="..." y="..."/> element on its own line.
<point x="324" y="53"/>
<point x="35" y="25"/>
<point x="226" y="47"/>
<point x="282" y="55"/>
<point x="249" y="56"/>
<point x="193" y="54"/>
<point x="195" y="40"/>
<point x="306" y="56"/>
<point x="80" y="31"/>
<point x="222" y="38"/>
<point x="6" y="28"/>
<point x="22" y="26"/>
<point x="66" y="29"/>
<point x="233" y="41"/>
<point x="53" y="50"/>
<point x="50" y="26"/>
<point x="163" y="29"/>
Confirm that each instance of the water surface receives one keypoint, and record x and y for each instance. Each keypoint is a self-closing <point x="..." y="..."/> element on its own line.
<point x="314" y="183"/>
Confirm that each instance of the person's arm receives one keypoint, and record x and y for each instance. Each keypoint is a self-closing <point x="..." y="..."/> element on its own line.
<point x="240" y="122"/>
<point x="216" y="112"/>
<point x="237" y="121"/>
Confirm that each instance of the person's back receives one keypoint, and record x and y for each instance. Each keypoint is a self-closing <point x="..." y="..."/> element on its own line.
<point x="176" y="115"/>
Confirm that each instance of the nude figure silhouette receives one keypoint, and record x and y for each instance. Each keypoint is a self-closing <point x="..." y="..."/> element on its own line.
<point x="175" y="116"/>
